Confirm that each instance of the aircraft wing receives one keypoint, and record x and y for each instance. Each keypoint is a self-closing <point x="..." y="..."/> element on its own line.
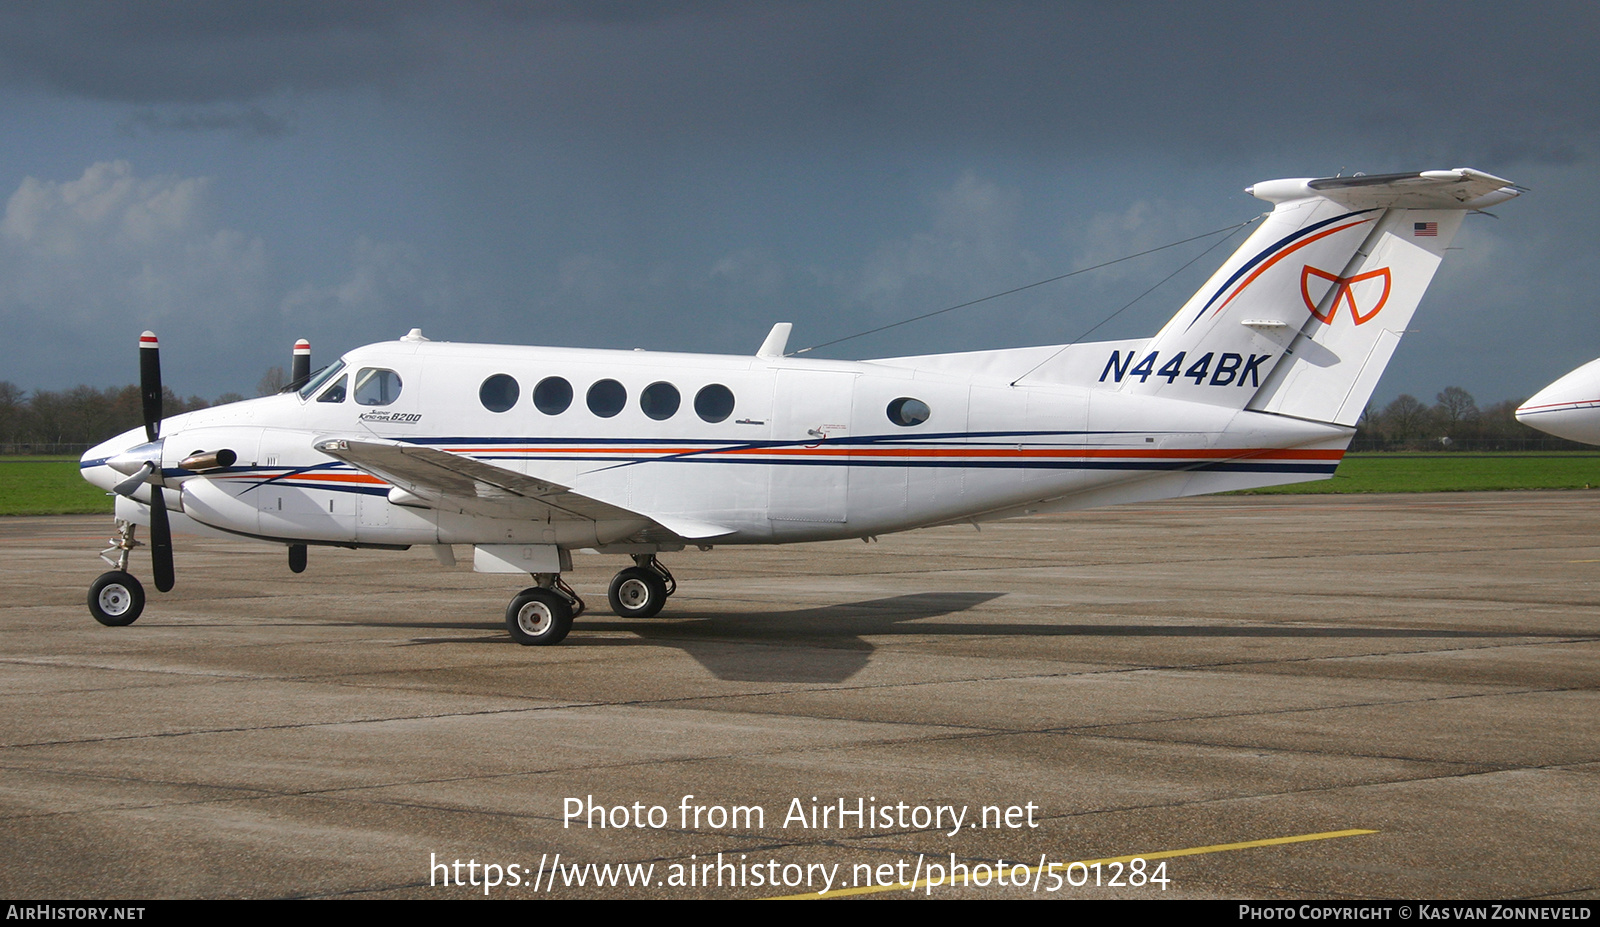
<point x="441" y="479"/>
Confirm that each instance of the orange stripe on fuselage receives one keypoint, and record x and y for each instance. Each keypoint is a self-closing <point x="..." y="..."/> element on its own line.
<point x="1151" y="453"/>
<point x="364" y="478"/>
<point x="845" y="450"/>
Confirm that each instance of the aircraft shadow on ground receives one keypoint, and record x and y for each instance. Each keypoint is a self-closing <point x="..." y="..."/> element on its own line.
<point x="804" y="645"/>
<point x="828" y="644"/>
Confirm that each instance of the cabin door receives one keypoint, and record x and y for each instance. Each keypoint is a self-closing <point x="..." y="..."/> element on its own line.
<point x="810" y="479"/>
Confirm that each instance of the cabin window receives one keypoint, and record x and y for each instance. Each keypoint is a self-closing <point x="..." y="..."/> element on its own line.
<point x="906" y="411"/>
<point x="376" y="386"/>
<point x="552" y="396"/>
<point x="320" y="377"/>
<point x="714" y="402"/>
<point x="498" y="393"/>
<point x="334" y="393"/>
<point x="659" y="401"/>
<point x="607" y="397"/>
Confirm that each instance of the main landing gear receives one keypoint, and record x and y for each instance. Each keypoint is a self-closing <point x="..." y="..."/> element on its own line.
<point x="116" y="598"/>
<point x="641" y="590"/>
<point x="542" y="615"/>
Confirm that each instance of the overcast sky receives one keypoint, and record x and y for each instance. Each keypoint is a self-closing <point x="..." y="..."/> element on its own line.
<point x="682" y="175"/>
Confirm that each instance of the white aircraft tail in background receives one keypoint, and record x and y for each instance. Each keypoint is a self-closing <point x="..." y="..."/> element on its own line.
<point x="527" y="453"/>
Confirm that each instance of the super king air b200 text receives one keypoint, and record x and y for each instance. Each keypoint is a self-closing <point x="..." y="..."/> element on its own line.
<point x="527" y="453"/>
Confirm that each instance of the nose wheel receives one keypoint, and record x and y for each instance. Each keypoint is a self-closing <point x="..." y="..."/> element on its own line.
<point x="641" y="590"/>
<point x="116" y="599"/>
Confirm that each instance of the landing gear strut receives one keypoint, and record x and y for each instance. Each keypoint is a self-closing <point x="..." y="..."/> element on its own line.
<point x="116" y="599"/>
<point x="542" y="615"/>
<point x="640" y="590"/>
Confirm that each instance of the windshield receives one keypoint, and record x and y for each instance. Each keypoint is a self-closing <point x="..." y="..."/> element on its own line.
<point x="320" y="377"/>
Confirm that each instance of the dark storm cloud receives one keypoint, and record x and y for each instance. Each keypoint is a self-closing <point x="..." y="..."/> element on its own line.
<point x="248" y="121"/>
<point x="198" y="52"/>
<point x="1038" y="78"/>
<point x="681" y="175"/>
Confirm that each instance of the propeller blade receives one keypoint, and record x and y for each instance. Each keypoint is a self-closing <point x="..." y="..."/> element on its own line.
<point x="135" y="480"/>
<point x="160" y="540"/>
<point x="300" y="364"/>
<point x="150" y="382"/>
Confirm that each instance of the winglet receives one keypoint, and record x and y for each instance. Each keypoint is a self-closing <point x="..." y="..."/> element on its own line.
<point x="777" y="340"/>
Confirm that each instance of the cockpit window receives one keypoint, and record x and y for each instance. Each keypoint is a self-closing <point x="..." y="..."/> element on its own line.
<point x="376" y="386"/>
<point x="319" y="378"/>
<point x="334" y="393"/>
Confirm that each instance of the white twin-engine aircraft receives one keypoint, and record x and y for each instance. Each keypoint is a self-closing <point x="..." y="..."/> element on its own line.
<point x="527" y="453"/>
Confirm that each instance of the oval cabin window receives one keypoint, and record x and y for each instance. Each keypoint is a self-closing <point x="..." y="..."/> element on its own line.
<point x="498" y="393"/>
<point x="906" y="412"/>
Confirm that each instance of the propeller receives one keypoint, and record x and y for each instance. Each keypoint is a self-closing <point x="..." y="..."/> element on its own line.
<point x="299" y="375"/>
<point x="150" y="382"/>
<point x="149" y="470"/>
<point x="300" y="364"/>
<point x="160" y="526"/>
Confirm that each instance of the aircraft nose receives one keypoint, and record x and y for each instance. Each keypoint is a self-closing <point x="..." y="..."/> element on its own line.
<point x="1568" y="408"/>
<point x="110" y="462"/>
<point x="133" y="459"/>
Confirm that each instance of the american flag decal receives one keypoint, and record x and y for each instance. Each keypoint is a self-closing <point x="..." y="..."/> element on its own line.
<point x="1424" y="230"/>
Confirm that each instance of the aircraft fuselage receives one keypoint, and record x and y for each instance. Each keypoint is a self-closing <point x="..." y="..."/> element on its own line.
<point x="805" y="450"/>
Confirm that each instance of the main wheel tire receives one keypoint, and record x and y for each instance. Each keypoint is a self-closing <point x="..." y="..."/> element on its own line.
<point x="116" y="599"/>
<point x="538" y="617"/>
<point x="637" y="593"/>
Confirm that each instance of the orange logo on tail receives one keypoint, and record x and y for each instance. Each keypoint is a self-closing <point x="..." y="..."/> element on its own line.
<point x="1344" y="292"/>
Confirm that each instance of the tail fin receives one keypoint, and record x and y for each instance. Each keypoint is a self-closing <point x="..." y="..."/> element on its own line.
<point x="1303" y="318"/>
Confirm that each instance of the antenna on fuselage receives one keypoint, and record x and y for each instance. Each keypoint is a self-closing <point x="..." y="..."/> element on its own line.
<point x="777" y="340"/>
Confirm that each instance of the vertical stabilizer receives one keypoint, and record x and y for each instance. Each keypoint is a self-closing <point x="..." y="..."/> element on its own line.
<point x="1302" y="319"/>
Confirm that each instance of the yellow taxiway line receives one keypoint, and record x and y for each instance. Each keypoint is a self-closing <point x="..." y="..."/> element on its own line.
<point x="1162" y="854"/>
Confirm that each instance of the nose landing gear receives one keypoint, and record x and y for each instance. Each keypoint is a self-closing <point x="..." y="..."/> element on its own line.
<point x="116" y="598"/>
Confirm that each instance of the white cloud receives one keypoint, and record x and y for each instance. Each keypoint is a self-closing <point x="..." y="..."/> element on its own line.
<point x="748" y="273"/>
<point x="1113" y="235"/>
<point x="970" y="246"/>
<point x="115" y="249"/>
<point x="385" y="278"/>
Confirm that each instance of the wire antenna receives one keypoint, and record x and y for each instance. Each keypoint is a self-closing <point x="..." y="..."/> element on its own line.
<point x="1086" y="332"/>
<point x="1029" y="286"/>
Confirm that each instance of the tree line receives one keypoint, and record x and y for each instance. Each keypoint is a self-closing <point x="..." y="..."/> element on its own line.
<point x="71" y="421"/>
<point x="74" y="420"/>
<point x="1453" y="423"/>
